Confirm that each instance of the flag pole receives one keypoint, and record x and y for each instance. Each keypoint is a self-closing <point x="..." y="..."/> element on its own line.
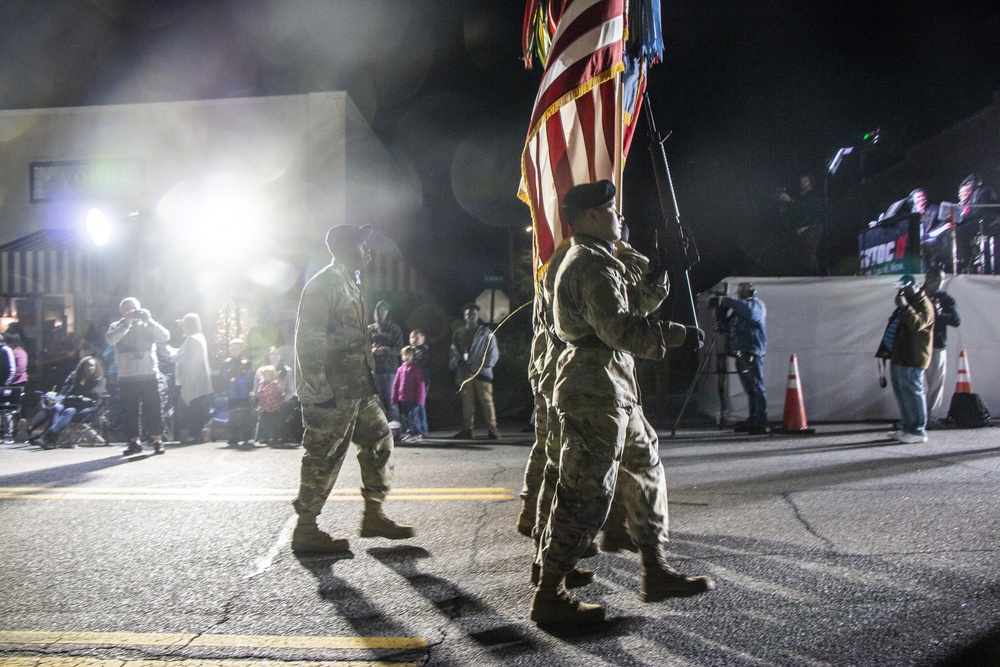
<point x="619" y="138"/>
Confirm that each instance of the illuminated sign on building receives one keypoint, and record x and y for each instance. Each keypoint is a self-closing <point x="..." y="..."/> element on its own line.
<point x="86" y="179"/>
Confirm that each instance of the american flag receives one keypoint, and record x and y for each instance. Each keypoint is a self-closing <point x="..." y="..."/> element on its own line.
<point x="573" y="136"/>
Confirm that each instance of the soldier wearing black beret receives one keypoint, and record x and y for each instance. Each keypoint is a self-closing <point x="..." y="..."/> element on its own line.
<point x="605" y="324"/>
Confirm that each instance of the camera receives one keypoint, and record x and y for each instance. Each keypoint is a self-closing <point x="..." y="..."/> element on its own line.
<point x="722" y="313"/>
<point x="715" y="301"/>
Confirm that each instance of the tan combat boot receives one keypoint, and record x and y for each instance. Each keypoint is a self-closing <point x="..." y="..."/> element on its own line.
<point x="374" y="523"/>
<point x="660" y="581"/>
<point x="553" y="605"/>
<point x="526" y="519"/>
<point x="309" y="539"/>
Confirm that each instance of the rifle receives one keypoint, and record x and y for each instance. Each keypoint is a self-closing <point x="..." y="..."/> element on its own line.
<point x="673" y="242"/>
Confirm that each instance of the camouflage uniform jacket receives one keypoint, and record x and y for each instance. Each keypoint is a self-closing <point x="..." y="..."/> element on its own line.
<point x="333" y="356"/>
<point x="553" y="346"/>
<point x="536" y="352"/>
<point x="597" y="310"/>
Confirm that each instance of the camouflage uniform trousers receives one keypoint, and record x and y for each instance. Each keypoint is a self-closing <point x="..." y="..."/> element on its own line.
<point x="484" y="390"/>
<point x="550" y="473"/>
<point x="535" y="468"/>
<point x="550" y="476"/>
<point x="328" y="434"/>
<point x="602" y="450"/>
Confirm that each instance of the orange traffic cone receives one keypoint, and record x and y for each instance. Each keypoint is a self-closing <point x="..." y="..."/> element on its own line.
<point x="964" y="384"/>
<point x="795" y="409"/>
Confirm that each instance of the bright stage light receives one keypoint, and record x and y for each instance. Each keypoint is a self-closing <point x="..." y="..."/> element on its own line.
<point x="218" y="219"/>
<point x="98" y="226"/>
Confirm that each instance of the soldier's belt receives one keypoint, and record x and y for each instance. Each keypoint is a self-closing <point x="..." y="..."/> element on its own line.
<point x="591" y="342"/>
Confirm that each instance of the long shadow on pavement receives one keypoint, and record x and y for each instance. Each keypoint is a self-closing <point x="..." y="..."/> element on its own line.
<point x="504" y="640"/>
<point x="353" y="605"/>
<point x="69" y="474"/>
<point x="508" y="642"/>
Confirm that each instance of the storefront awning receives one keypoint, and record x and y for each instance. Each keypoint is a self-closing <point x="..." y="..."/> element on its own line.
<point x="51" y="261"/>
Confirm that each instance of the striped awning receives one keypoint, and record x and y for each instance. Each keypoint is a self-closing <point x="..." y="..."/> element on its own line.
<point x="45" y="262"/>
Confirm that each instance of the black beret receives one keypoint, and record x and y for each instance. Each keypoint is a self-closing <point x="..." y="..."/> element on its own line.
<point x="973" y="180"/>
<point x="341" y="235"/>
<point x="589" y="195"/>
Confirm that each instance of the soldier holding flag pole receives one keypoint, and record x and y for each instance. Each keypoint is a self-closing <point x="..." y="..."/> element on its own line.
<point x="596" y="311"/>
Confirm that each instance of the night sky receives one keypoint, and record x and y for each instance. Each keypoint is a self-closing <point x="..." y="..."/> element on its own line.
<point x="754" y="93"/>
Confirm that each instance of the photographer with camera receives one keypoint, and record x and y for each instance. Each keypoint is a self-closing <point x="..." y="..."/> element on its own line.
<point x="742" y="320"/>
<point x="907" y="343"/>
<point x="134" y="338"/>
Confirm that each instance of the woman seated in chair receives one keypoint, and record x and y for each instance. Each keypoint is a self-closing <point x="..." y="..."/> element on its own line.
<point x="79" y="395"/>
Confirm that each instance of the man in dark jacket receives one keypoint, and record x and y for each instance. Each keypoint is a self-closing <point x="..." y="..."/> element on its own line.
<point x="911" y="346"/>
<point x="387" y="341"/>
<point x="945" y="315"/>
<point x="473" y="354"/>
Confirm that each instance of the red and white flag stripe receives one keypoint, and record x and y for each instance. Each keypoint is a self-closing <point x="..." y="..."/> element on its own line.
<point x="572" y="135"/>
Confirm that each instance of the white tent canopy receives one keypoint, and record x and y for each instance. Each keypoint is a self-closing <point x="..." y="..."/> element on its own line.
<point x="834" y="326"/>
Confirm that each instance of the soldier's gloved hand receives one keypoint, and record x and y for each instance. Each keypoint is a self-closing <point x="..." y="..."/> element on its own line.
<point x="635" y="262"/>
<point x="694" y="338"/>
<point x="658" y="274"/>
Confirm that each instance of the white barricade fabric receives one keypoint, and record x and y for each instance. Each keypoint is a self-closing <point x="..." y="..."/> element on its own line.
<point x="834" y="326"/>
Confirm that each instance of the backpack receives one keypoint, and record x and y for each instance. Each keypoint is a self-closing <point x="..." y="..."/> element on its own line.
<point x="968" y="411"/>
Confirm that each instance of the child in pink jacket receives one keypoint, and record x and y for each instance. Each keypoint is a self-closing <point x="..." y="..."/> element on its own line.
<point x="409" y="391"/>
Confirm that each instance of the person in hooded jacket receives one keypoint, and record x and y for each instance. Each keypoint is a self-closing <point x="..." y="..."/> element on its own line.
<point x="387" y="341"/>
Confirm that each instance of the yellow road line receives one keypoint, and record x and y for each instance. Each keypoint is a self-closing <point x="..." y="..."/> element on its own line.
<point x="237" y="489"/>
<point x="111" y="493"/>
<point x="63" y="661"/>
<point x="177" y="640"/>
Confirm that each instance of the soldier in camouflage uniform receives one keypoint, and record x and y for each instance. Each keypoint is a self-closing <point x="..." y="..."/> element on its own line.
<point x="542" y="470"/>
<point x="603" y="430"/>
<point x="335" y="383"/>
<point x="536" y="458"/>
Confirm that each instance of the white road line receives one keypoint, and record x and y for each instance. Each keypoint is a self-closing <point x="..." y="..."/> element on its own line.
<point x="262" y="563"/>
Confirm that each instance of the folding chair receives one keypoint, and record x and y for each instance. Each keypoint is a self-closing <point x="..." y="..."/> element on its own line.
<point x="11" y="399"/>
<point x="89" y="426"/>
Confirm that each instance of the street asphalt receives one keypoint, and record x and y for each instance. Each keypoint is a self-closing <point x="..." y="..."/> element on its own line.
<point x="839" y="548"/>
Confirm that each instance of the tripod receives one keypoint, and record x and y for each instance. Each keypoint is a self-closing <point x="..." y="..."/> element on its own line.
<point x="722" y="378"/>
